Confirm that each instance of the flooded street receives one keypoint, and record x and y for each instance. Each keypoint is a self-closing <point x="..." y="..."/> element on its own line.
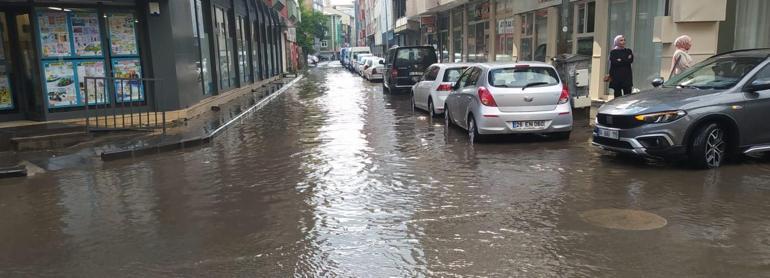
<point x="336" y="179"/>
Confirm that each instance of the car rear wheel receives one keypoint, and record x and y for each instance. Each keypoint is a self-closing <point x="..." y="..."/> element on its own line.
<point x="431" y="109"/>
<point x="709" y="147"/>
<point x="473" y="131"/>
<point x="447" y="117"/>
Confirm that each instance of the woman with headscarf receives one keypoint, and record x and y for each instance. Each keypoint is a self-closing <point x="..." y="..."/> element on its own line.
<point x="621" y="78"/>
<point x="681" y="59"/>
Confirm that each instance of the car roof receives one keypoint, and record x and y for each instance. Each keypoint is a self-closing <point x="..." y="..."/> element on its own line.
<point x="454" y="65"/>
<point x="497" y="65"/>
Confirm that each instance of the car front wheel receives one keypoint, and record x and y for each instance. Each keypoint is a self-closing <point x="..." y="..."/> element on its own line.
<point x="709" y="147"/>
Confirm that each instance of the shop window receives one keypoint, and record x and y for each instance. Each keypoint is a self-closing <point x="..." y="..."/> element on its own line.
<point x="224" y="49"/>
<point x="201" y="37"/>
<point x="752" y="24"/>
<point x="6" y="95"/>
<point x="256" y="43"/>
<point x="443" y="38"/>
<point x="478" y="32"/>
<point x="527" y="36"/>
<point x="504" y="40"/>
<point x="71" y="50"/>
<point x="243" y="51"/>
<point x="457" y="35"/>
<point x="584" y="27"/>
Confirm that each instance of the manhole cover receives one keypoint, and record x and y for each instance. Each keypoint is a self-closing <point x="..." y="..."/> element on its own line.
<point x="624" y="219"/>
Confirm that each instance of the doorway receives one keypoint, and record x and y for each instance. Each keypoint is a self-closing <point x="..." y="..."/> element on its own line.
<point x="20" y="97"/>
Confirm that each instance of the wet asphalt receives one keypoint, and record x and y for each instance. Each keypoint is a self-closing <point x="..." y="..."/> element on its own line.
<point x="336" y="179"/>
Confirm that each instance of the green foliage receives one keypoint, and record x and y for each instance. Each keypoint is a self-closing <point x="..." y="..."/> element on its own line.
<point x="312" y="26"/>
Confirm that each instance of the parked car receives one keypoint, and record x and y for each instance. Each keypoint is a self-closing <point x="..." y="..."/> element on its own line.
<point x="353" y="55"/>
<point x="344" y="56"/>
<point x="405" y="65"/>
<point x="716" y="109"/>
<point x="435" y="85"/>
<point x="365" y="63"/>
<point x="359" y="63"/>
<point x="510" y="98"/>
<point x="374" y="70"/>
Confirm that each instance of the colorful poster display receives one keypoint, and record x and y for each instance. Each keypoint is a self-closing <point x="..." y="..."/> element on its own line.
<point x="60" y="84"/>
<point x="86" y="34"/>
<point x="54" y="36"/>
<point x="123" y="34"/>
<point x="96" y="90"/>
<point x="6" y="100"/>
<point x="128" y="90"/>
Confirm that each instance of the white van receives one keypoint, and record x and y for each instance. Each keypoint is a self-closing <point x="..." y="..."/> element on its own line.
<point x="353" y="55"/>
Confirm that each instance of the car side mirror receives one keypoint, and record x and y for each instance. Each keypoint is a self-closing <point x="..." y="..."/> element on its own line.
<point x="759" y="85"/>
<point x="382" y="62"/>
<point x="658" y="81"/>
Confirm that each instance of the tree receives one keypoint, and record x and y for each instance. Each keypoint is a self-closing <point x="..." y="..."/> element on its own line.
<point x="311" y="26"/>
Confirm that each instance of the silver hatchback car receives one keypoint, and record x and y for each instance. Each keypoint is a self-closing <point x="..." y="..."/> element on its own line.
<point x="523" y="97"/>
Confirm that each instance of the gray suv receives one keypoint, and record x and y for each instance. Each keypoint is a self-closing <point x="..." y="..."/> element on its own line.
<point x="716" y="109"/>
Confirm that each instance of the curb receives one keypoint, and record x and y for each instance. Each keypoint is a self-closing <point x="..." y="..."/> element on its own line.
<point x="193" y="142"/>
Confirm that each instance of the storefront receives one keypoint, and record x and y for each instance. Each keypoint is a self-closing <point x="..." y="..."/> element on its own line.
<point x="197" y="48"/>
<point x="47" y="52"/>
<point x="443" y="37"/>
<point x="504" y="31"/>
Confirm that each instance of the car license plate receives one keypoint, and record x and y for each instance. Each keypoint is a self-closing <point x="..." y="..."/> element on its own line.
<point x="415" y="73"/>
<point x="528" y="124"/>
<point x="607" y="133"/>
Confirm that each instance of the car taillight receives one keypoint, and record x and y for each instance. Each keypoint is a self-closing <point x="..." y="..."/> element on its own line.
<point x="393" y="74"/>
<point x="486" y="97"/>
<point x="564" y="98"/>
<point x="444" y="87"/>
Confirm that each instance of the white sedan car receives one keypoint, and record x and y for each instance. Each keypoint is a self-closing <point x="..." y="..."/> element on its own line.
<point x="374" y="69"/>
<point x="359" y="63"/>
<point x="434" y="87"/>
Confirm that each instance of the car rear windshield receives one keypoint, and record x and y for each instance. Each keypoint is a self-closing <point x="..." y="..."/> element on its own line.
<point x="451" y="75"/>
<point x="417" y="59"/>
<point x="518" y="77"/>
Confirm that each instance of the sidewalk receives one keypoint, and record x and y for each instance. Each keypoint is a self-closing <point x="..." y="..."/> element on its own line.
<point x="191" y="132"/>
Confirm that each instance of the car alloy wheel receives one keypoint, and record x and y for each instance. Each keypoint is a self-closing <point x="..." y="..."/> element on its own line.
<point x="708" y="148"/>
<point x="715" y="148"/>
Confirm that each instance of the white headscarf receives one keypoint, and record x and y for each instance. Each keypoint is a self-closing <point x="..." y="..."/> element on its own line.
<point x="681" y="59"/>
<point x="616" y="42"/>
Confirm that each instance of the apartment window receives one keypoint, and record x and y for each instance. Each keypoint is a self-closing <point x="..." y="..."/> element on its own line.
<point x="584" y="27"/>
<point x="324" y="43"/>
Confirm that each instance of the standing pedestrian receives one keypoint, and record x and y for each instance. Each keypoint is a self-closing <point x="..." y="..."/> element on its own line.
<point x="621" y="78"/>
<point x="681" y="59"/>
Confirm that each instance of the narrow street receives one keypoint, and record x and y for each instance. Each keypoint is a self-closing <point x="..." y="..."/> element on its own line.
<point x="336" y="179"/>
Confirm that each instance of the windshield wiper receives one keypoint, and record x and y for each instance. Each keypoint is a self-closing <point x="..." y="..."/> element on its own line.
<point x="533" y="84"/>
<point x="688" y="86"/>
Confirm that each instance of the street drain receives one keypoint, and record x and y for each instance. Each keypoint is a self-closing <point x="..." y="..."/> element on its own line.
<point x="624" y="219"/>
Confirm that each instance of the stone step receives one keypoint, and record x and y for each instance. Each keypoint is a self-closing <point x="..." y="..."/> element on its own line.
<point x="49" y="141"/>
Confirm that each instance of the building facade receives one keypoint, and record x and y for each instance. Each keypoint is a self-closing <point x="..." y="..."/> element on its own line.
<point x="540" y="30"/>
<point x="197" y="49"/>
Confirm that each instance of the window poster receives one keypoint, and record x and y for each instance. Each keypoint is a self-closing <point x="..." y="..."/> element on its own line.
<point x="128" y="90"/>
<point x="85" y="33"/>
<point x="6" y="100"/>
<point x="54" y="36"/>
<point x="60" y="84"/>
<point x="123" y="34"/>
<point x="94" y="87"/>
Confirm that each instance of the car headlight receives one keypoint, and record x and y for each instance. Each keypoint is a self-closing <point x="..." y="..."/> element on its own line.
<point x="661" y="117"/>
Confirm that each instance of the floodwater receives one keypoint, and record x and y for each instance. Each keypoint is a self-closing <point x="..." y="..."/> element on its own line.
<point x="336" y="179"/>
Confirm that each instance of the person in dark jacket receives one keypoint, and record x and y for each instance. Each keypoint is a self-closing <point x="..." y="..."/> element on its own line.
<point x="621" y="77"/>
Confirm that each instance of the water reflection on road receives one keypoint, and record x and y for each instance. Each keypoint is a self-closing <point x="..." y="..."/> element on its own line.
<point x="335" y="178"/>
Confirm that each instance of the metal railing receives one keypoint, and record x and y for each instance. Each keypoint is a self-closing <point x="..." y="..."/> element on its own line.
<point x="115" y="103"/>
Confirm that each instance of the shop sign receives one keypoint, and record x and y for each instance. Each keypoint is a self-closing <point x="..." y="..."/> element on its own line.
<point x="522" y="6"/>
<point x="505" y="26"/>
<point x="478" y="11"/>
<point x="428" y="20"/>
<point x="291" y="34"/>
